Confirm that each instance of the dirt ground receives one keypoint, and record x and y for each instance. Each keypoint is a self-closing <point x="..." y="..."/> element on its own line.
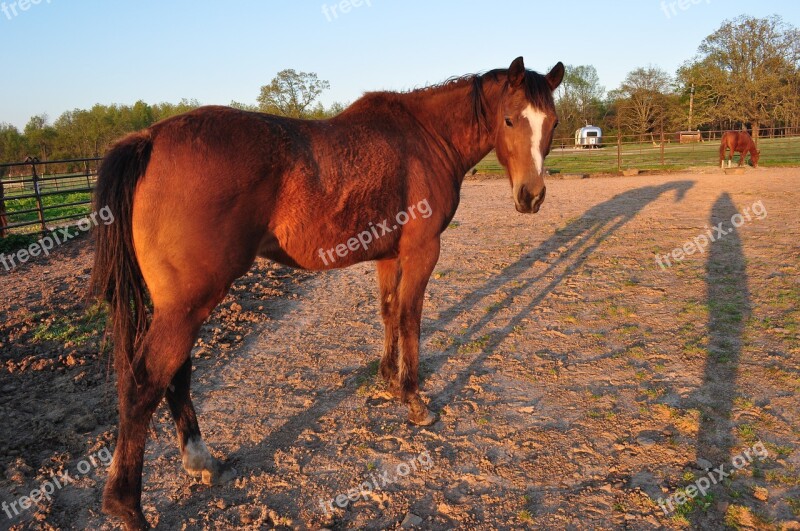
<point x="578" y="382"/>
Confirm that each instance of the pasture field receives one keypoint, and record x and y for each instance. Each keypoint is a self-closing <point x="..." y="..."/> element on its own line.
<point x="775" y="152"/>
<point x="578" y="381"/>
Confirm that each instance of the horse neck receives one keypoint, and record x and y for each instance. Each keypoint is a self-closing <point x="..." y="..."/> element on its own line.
<point x="448" y="116"/>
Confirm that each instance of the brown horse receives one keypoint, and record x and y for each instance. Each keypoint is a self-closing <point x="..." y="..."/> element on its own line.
<point x="738" y="141"/>
<point x="199" y="196"/>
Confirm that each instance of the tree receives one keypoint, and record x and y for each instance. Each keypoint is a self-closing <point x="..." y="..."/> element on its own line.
<point x="642" y="100"/>
<point x="579" y="98"/>
<point x="40" y="136"/>
<point x="746" y="72"/>
<point x="12" y="145"/>
<point x="243" y="106"/>
<point x="291" y="93"/>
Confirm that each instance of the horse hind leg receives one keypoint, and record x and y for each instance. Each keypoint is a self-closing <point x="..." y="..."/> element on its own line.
<point x="141" y="384"/>
<point x="196" y="459"/>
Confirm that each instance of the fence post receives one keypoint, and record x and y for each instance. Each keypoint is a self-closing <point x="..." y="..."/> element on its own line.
<point x="33" y="161"/>
<point x="3" y="218"/>
<point x="662" y="142"/>
<point x="86" y="170"/>
<point x="619" y="150"/>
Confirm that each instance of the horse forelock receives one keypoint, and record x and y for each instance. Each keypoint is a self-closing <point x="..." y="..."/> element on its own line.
<point x="538" y="91"/>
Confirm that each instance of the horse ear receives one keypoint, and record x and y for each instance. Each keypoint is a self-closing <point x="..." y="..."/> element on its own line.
<point x="555" y="76"/>
<point x="516" y="72"/>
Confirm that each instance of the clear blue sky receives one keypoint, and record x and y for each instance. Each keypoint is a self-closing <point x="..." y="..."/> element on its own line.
<point x="64" y="54"/>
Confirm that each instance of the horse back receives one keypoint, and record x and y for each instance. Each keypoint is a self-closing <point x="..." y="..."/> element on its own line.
<point x="293" y="186"/>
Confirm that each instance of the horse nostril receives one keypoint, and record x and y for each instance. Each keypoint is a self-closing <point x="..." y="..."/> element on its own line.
<point x="524" y="196"/>
<point x="539" y="200"/>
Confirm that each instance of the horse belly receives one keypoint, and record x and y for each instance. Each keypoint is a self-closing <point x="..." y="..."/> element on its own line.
<point x="328" y="247"/>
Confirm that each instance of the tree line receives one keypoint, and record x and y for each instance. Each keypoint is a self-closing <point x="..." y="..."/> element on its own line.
<point x="745" y="75"/>
<point x="89" y="132"/>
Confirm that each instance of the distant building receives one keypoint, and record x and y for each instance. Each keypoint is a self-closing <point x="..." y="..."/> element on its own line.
<point x="688" y="137"/>
<point x="590" y="136"/>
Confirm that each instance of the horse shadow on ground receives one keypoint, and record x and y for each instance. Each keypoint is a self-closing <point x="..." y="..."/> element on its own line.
<point x="581" y="238"/>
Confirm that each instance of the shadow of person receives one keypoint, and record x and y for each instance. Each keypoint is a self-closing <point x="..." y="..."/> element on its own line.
<point x="729" y="307"/>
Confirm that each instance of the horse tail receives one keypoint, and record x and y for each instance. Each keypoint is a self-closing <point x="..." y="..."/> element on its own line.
<point x="723" y="145"/>
<point x="116" y="277"/>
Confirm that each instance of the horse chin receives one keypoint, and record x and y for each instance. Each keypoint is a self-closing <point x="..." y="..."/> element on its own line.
<point x="523" y="209"/>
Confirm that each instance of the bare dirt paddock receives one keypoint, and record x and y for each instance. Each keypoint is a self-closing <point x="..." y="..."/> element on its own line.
<point x="578" y="382"/>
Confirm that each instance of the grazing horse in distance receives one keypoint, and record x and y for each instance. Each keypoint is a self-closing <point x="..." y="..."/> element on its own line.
<point x="739" y="141"/>
<point x="197" y="197"/>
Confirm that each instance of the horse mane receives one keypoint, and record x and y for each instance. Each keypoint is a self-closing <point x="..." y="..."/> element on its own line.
<point x="537" y="91"/>
<point x="536" y="88"/>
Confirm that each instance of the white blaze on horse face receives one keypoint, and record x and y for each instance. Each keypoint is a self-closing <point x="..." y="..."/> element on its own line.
<point x="536" y="121"/>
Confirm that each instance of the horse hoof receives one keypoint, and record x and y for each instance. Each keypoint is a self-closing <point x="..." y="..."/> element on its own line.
<point x="199" y="463"/>
<point x="419" y="414"/>
<point x="132" y="519"/>
<point x="218" y="475"/>
<point x="389" y="392"/>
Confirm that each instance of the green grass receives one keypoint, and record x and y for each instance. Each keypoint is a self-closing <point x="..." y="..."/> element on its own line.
<point x="794" y="504"/>
<point x="474" y="347"/>
<point x="12" y="242"/>
<point x="15" y="205"/>
<point x="63" y="329"/>
<point x="365" y="381"/>
<point x="701" y="503"/>
<point x="525" y="516"/>
<point x="775" y="152"/>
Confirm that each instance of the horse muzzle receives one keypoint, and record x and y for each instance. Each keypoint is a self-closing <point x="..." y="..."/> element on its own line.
<point x="526" y="203"/>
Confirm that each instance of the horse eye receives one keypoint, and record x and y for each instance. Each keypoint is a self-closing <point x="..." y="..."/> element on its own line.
<point x="509" y="122"/>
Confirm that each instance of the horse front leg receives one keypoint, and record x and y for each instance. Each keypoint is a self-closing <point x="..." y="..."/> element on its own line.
<point x="388" y="280"/>
<point x="416" y="263"/>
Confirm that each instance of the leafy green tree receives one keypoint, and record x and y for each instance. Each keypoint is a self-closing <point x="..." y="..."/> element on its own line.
<point x="12" y="144"/>
<point x="244" y="106"/>
<point x="579" y="99"/>
<point x="40" y="136"/>
<point x="746" y="71"/>
<point x="166" y="110"/>
<point x="642" y="100"/>
<point x="291" y="93"/>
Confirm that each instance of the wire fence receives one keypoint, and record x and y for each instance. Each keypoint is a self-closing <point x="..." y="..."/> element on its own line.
<point x="36" y="196"/>
<point x="684" y="149"/>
